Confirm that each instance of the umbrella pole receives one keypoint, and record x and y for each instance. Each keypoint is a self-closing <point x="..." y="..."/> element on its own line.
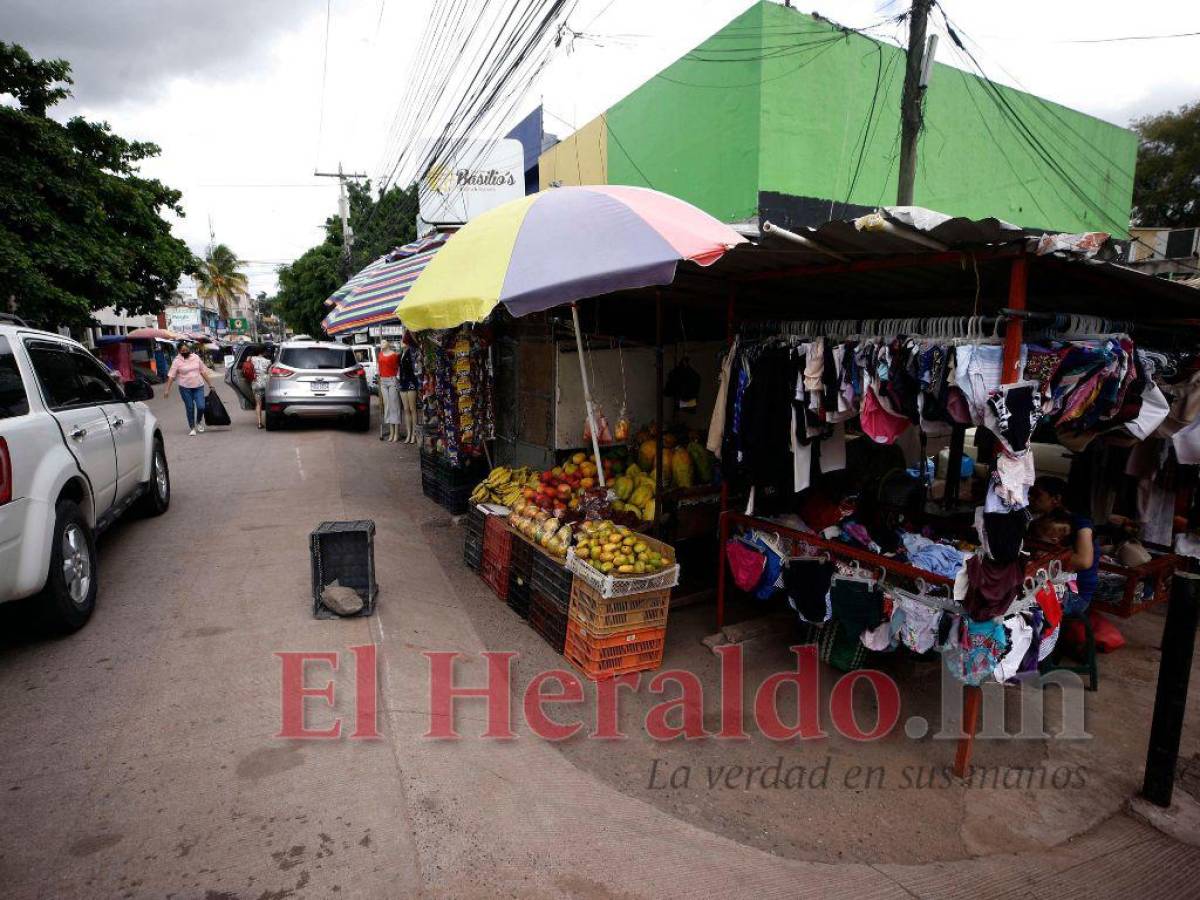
<point x="587" y="396"/>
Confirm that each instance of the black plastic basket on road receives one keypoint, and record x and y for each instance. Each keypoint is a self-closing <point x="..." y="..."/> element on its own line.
<point x="343" y="552"/>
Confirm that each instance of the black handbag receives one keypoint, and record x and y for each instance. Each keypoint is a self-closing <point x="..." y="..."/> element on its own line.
<point x="214" y="411"/>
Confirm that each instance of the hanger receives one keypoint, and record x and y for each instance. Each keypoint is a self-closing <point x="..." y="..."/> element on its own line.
<point x="804" y="552"/>
<point x="856" y="573"/>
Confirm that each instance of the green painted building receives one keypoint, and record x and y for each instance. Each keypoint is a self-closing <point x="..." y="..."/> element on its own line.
<point x="783" y="115"/>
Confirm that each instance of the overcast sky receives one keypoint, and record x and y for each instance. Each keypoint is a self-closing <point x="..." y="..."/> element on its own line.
<point x="232" y="91"/>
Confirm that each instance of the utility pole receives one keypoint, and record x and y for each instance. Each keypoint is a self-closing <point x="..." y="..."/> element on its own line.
<point x="916" y="77"/>
<point x="344" y="212"/>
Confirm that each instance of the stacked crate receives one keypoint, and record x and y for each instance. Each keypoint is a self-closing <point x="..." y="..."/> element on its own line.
<point x="549" y="599"/>
<point x="473" y="539"/>
<point x="618" y="624"/>
<point x="519" y="574"/>
<point x="497" y="555"/>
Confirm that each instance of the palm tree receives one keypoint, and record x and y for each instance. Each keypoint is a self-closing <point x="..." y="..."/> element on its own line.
<point x="218" y="278"/>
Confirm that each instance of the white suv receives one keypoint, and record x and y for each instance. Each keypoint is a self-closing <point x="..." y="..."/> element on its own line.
<point x="76" y="451"/>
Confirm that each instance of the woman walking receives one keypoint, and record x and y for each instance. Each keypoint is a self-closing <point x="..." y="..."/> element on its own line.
<point x="262" y="371"/>
<point x="191" y="373"/>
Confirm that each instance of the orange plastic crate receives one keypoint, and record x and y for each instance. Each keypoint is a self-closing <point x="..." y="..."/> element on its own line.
<point x="605" y="616"/>
<point x="603" y="656"/>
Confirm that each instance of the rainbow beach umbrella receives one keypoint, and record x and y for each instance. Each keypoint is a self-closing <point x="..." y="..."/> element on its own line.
<point x="558" y="246"/>
<point x="370" y="297"/>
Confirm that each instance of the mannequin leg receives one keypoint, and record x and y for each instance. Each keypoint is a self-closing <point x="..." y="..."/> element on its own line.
<point x="383" y="428"/>
<point x="409" y="399"/>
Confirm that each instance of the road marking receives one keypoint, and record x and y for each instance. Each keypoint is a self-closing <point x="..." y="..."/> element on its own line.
<point x="299" y="465"/>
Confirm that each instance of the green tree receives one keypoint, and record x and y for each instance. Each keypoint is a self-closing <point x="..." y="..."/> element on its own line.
<point x="304" y="285"/>
<point x="218" y="278"/>
<point x="1166" y="186"/>
<point x="80" y="229"/>
<point x="380" y="224"/>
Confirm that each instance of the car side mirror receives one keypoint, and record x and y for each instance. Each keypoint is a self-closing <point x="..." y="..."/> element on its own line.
<point x="138" y="390"/>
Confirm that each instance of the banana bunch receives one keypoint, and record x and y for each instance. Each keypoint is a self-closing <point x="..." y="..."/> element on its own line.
<point x="504" y="485"/>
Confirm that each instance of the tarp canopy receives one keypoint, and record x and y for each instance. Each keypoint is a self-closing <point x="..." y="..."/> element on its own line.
<point x="370" y="297"/>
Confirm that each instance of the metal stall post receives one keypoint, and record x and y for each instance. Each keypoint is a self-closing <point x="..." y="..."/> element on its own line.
<point x="1170" y="697"/>
<point x="658" y="397"/>
<point x="723" y="529"/>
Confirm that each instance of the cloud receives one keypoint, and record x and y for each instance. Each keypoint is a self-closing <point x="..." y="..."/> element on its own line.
<point x="130" y="50"/>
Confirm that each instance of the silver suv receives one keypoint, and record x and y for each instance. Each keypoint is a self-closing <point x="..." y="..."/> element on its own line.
<point x="316" y="380"/>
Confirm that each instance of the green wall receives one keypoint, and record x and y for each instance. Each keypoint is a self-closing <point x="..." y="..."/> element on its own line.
<point x="692" y="130"/>
<point x="779" y="101"/>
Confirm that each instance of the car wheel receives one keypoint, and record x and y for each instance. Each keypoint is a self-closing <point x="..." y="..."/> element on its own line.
<point x="272" y="421"/>
<point x="157" y="498"/>
<point x="361" y="421"/>
<point x="67" y="600"/>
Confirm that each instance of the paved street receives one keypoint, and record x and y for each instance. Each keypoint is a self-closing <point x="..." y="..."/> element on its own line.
<point x="138" y="757"/>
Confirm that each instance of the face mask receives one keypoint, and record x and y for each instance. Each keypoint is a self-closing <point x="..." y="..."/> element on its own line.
<point x="185" y="353"/>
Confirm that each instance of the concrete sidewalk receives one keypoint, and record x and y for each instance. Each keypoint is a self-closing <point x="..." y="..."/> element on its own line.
<point x="138" y="757"/>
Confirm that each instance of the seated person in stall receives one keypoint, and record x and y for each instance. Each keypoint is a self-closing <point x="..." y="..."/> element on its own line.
<point x="1046" y="501"/>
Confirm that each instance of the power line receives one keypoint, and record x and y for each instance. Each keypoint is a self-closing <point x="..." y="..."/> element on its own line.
<point x="1132" y="37"/>
<point x="324" y="77"/>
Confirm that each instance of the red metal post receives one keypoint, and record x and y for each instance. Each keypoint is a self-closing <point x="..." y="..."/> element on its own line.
<point x="723" y="536"/>
<point x="972" y="698"/>
<point x="1014" y="330"/>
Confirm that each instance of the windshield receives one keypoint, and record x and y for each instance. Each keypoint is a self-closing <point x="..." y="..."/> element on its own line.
<point x="316" y="358"/>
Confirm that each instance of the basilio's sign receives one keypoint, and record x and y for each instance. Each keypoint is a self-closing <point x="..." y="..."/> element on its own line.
<point x="481" y="176"/>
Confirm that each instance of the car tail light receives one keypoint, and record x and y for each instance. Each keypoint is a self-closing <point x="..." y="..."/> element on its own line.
<point x="6" y="473"/>
<point x="361" y="407"/>
<point x="281" y="372"/>
<point x="356" y="372"/>
<point x="275" y="407"/>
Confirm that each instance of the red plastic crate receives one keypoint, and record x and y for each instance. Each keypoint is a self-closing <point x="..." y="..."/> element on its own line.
<point x="497" y="555"/>
<point x="603" y="656"/>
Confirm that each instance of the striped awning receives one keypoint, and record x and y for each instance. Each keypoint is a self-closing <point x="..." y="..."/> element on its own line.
<point x="371" y="296"/>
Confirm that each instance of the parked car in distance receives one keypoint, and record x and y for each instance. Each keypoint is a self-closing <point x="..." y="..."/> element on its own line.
<point x="367" y="355"/>
<point x="317" y="380"/>
<point x="77" y="450"/>
<point x="236" y="379"/>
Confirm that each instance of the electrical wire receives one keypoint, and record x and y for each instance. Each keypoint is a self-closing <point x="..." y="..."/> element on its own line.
<point x="324" y="77"/>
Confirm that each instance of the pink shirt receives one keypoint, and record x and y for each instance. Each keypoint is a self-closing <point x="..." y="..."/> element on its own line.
<point x="187" y="371"/>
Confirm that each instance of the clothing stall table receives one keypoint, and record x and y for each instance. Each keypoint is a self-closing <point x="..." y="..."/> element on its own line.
<point x="972" y="696"/>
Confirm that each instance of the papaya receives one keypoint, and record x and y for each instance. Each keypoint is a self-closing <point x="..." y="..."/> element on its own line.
<point x="648" y="511"/>
<point x="669" y="440"/>
<point x="681" y="468"/>
<point x="702" y="462"/>
<point x="647" y="453"/>
<point x="623" y="486"/>
<point x="633" y="471"/>
<point x="640" y="496"/>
